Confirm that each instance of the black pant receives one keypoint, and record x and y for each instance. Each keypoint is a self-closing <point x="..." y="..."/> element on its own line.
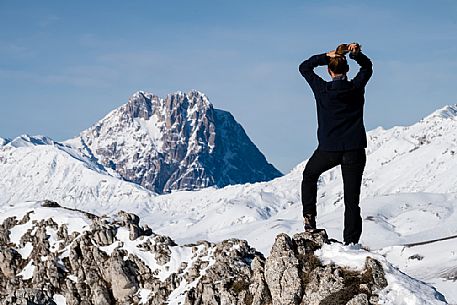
<point x="352" y="166"/>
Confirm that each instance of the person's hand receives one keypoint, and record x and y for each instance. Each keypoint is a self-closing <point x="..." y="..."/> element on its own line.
<point x="333" y="54"/>
<point x="354" y="48"/>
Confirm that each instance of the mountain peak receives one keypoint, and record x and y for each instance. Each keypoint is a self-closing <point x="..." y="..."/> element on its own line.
<point x="140" y="105"/>
<point x="447" y="112"/>
<point x="179" y="142"/>
<point x="3" y="141"/>
<point x="144" y="104"/>
<point x="27" y="140"/>
<point x="191" y="101"/>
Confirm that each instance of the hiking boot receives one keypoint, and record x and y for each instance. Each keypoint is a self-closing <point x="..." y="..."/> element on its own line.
<point x="309" y="222"/>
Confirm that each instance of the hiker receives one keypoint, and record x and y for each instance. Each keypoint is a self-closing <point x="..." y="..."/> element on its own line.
<point x="341" y="133"/>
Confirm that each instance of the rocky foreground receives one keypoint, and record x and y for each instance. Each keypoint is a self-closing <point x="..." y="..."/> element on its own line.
<point x="55" y="255"/>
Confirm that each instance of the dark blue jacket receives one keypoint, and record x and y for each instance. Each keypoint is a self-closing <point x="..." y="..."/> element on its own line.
<point x="339" y="104"/>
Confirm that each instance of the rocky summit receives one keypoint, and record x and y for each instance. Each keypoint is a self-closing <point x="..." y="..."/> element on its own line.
<point x="56" y="255"/>
<point x="177" y="143"/>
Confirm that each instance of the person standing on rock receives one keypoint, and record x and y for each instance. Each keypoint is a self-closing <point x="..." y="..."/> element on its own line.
<point x="341" y="133"/>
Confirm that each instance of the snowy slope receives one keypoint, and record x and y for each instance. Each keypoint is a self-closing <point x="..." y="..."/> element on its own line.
<point x="3" y="141"/>
<point x="29" y="141"/>
<point x="417" y="158"/>
<point x="401" y="289"/>
<point x="408" y="196"/>
<point x="36" y="168"/>
<point x="399" y="161"/>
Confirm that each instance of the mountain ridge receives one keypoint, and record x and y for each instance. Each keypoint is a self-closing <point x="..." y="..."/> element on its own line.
<point x="180" y="142"/>
<point x="387" y="149"/>
<point x="446" y="112"/>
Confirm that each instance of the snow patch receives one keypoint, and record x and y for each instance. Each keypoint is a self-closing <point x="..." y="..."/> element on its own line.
<point x="177" y="296"/>
<point x="17" y="231"/>
<point x="401" y="288"/>
<point x="26" y="250"/>
<point x="59" y="299"/>
<point x="144" y="295"/>
<point x="27" y="272"/>
<point x="152" y="128"/>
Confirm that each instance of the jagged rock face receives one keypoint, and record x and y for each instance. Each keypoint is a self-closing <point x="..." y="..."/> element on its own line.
<point x="177" y="143"/>
<point x="117" y="261"/>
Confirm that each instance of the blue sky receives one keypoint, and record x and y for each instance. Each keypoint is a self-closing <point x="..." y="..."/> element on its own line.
<point x="65" y="64"/>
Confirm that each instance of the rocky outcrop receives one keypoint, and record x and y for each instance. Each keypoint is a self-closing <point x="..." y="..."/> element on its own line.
<point x="177" y="143"/>
<point x="116" y="260"/>
<point x="296" y="276"/>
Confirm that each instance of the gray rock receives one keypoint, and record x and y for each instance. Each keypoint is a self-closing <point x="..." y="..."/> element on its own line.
<point x="128" y="218"/>
<point x="258" y="287"/>
<point x="10" y="261"/>
<point x="101" y="295"/>
<point x="323" y="286"/>
<point x="374" y="268"/>
<point x="123" y="282"/>
<point x="360" y="299"/>
<point x="282" y="272"/>
<point x="50" y="204"/>
<point x="85" y="272"/>
<point x="307" y="242"/>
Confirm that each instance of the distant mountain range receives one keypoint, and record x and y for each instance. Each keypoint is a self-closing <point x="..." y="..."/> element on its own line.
<point x="152" y="145"/>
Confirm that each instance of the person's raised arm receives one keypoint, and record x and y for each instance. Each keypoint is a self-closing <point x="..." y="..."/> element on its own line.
<point x="366" y="67"/>
<point x="306" y="69"/>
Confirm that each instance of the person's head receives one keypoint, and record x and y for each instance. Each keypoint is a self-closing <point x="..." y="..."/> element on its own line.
<point x="338" y="65"/>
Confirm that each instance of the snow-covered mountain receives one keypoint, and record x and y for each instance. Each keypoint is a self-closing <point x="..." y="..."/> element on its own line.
<point x="177" y="143"/>
<point x="3" y="141"/>
<point x="36" y="168"/>
<point x="408" y="198"/>
<point x="145" y="146"/>
<point x="417" y="158"/>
